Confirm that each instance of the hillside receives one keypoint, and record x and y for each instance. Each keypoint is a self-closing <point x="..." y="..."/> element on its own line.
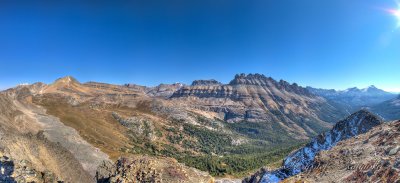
<point x="304" y="158"/>
<point x="369" y="157"/>
<point x="389" y="110"/>
<point x="64" y="131"/>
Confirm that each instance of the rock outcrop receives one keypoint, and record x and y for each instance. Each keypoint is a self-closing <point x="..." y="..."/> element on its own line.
<point x="12" y="171"/>
<point x="145" y="169"/>
<point x="139" y="126"/>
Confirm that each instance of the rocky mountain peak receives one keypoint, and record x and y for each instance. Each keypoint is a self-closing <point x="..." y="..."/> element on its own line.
<point x="210" y="82"/>
<point x="67" y="80"/>
<point x="66" y="84"/>
<point x="358" y="122"/>
<point x="262" y="80"/>
<point x="250" y="79"/>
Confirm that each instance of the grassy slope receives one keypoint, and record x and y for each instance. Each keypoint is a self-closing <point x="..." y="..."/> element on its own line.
<point x="95" y="126"/>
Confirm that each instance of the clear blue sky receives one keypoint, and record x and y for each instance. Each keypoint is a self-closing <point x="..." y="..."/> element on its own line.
<point x="327" y="44"/>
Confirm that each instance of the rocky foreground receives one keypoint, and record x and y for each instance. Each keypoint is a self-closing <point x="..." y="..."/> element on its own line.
<point x="370" y="157"/>
<point x="358" y="149"/>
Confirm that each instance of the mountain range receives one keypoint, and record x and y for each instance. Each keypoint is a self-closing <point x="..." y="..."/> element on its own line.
<point x="98" y="132"/>
<point x="353" y="99"/>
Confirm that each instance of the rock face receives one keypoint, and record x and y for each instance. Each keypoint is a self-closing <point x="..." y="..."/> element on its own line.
<point x="370" y="157"/>
<point x="12" y="171"/>
<point x="257" y="98"/>
<point x="354" y="99"/>
<point x="145" y="169"/>
<point x="302" y="159"/>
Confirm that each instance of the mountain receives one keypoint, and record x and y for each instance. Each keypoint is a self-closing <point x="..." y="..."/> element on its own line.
<point x="162" y="90"/>
<point x="186" y="132"/>
<point x="389" y="110"/>
<point x="206" y="82"/>
<point x="369" y="157"/>
<point x="301" y="160"/>
<point x="252" y="121"/>
<point x="262" y="100"/>
<point x="65" y="131"/>
<point x="354" y="99"/>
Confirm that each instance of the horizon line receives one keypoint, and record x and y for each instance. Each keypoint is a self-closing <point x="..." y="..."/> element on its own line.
<point x="392" y="90"/>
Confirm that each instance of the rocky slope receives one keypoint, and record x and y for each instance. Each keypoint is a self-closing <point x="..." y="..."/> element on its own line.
<point x="369" y="157"/>
<point x="354" y="99"/>
<point x="389" y="110"/>
<point x="26" y="152"/>
<point x="256" y="98"/>
<point x="301" y="160"/>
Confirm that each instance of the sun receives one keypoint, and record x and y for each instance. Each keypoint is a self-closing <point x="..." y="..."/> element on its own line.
<point x="396" y="13"/>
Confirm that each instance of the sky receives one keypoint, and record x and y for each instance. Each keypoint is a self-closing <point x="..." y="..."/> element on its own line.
<point x="326" y="44"/>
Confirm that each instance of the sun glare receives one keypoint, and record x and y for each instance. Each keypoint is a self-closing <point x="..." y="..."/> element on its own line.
<point x="395" y="13"/>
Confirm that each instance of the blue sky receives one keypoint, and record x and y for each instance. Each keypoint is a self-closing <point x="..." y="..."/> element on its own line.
<point x="327" y="44"/>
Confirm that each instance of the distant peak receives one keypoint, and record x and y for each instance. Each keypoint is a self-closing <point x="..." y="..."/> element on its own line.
<point x="66" y="80"/>
<point x="250" y="79"/>
<point x="205" y="82"/>
<point x="250" y="76"/>
<point x="262" y="80"/>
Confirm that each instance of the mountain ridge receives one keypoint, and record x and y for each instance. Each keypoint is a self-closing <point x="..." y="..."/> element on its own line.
<point x="354" y="99"/>
<point x="302" y="159"/>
